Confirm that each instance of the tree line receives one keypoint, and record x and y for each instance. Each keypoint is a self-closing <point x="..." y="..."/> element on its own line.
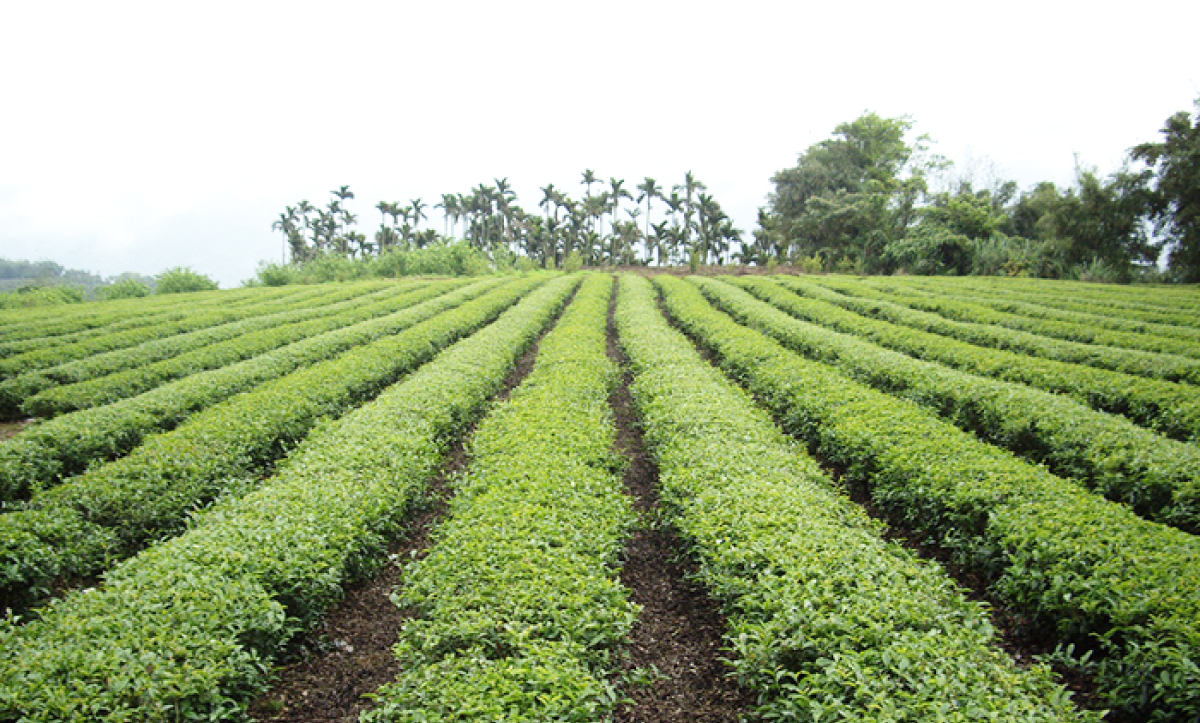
<point x="861" y="202"/>
<point x="605" y="225"/>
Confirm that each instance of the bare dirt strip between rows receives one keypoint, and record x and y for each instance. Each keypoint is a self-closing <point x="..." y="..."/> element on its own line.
<point x="1015" y="634"/>
<point x="335" y="665"/>
<point x="12" y="429"/>
<point x="677" y="639"/>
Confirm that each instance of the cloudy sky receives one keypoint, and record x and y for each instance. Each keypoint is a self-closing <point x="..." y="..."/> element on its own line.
<point x="141" y="136"/>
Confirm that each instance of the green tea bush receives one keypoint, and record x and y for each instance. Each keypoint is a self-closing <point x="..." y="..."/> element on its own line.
<point x="42" y="455"/>
<point x="1157" y="477"/>
<point x="1080" y="568"/>
<point x="828" y="621"/>
<point x="208" y="613"/>
<point x="520" y="612"/>
<point x="147" y="495"/>
<point x="1170" y="408"/>
<point x="16" y="391"/>
<point x="1155" y="365"/>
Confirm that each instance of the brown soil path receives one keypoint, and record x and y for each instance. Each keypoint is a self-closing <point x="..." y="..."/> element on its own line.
<point x="677" y="639"/>
<point x="350" y="654"/>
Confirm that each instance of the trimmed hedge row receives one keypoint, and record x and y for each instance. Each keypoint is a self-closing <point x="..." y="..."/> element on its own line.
<point x="135" y="312"/>
<point x="829" y="621"/>
<point x="1071" y="301"/>
<point x="15" y="393"/>
<point x="1158" y="477"/>
<point x="520" y="614"/>
<point x="49" y="323"/>
<point x="134" y="381"/>
<point x="147" y="495"/>
<point x="1170" y="367"/>
<point x="1087" y="569"/>
<point x="1170" y="408"/>
<point x="193" y="318"/>
<point x="188" y="630"/>
<point x="1178" y="341"/>
<point x="48" y="452"/>
<point x="1030" y="306"/>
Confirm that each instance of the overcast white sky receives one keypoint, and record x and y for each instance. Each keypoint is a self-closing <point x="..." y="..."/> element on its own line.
<point x="140" y="136"/>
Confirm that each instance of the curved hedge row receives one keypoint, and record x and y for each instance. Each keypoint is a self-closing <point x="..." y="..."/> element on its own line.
<point x="830" y="622"/>
<point x="1110" y="307"/>
<point x="1087" y="569"/>
<point x="1176" y="341"/>
<point x="1014" y="305"/>
<point x="134" y="313"/>
<point x="133" y="381"/>
<point x="47" y="324"/>
<point x="147" y="495"/>
<point x="519" y="609"/>
<point x="64" y="446"/>
<point x="15" y="393"/>
<point x="192" y="318"/>
<point x="1170" y="408"/>
<point x="1170" y="367"/>
<point x="1158" y="477"/>
<point x="207" y="613"/>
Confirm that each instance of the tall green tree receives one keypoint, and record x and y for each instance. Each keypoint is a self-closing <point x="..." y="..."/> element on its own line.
<point x="1175" y="161"/>
<point x="648" y="190"/>
<point x="849" y="196"/>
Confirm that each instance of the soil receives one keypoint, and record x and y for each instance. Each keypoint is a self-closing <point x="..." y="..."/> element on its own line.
<point x="677" y="640"/>
<point x="12" y="429"/>
<point x="350" y="654"/>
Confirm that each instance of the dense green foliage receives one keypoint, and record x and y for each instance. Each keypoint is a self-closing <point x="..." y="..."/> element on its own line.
<point x="206" y="613"/>
<point x="106" y="378"/>
<point x="1170" y="408"/>
<point x="519" y="612"/>
<point x="122" y="351"/>
<point x="124" y="289"/>
<point x="1086" y="328"/>
<point x="66" y="445"/>
<point x="829" y="622"/>
<point x="440" y="258"/>
<point x="32" y="296"/>
<point x="1088" y="570"/>
<point x="147" y="494"/>
<point x="1158" y="477"/>
<point x="1155" y="365"/>
<point x="1176" y="160"/>
<point x="182" y="280"/>
<point x="861" y="201"/>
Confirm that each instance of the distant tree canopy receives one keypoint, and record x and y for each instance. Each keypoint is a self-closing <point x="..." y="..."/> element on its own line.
<point x="16" y="274"/>
<point x="597" y="227"/>
<point x="848" y="197"/>
<point x="860" y="202"/>
<point x="183" y="279"/>
<point x="1176" y="199"/>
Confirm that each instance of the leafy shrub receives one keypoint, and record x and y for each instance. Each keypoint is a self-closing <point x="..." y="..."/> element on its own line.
<point x="573" y="262"/>
<point x="208" y="613"/>
<point x="521" y="611"/>
<point x="181" y="280"/>
<point x="101" y="430"/>
<point x="147" y="494"/>
<point x="929" y="249"/>
<point x="1158" y="477"/>
<point x="1169" y="408"/>
<point x="32" y="296"/>
<point x="1072" y="562"/>
<point x="829" y="621"/>
<point x="124" y="289"/>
